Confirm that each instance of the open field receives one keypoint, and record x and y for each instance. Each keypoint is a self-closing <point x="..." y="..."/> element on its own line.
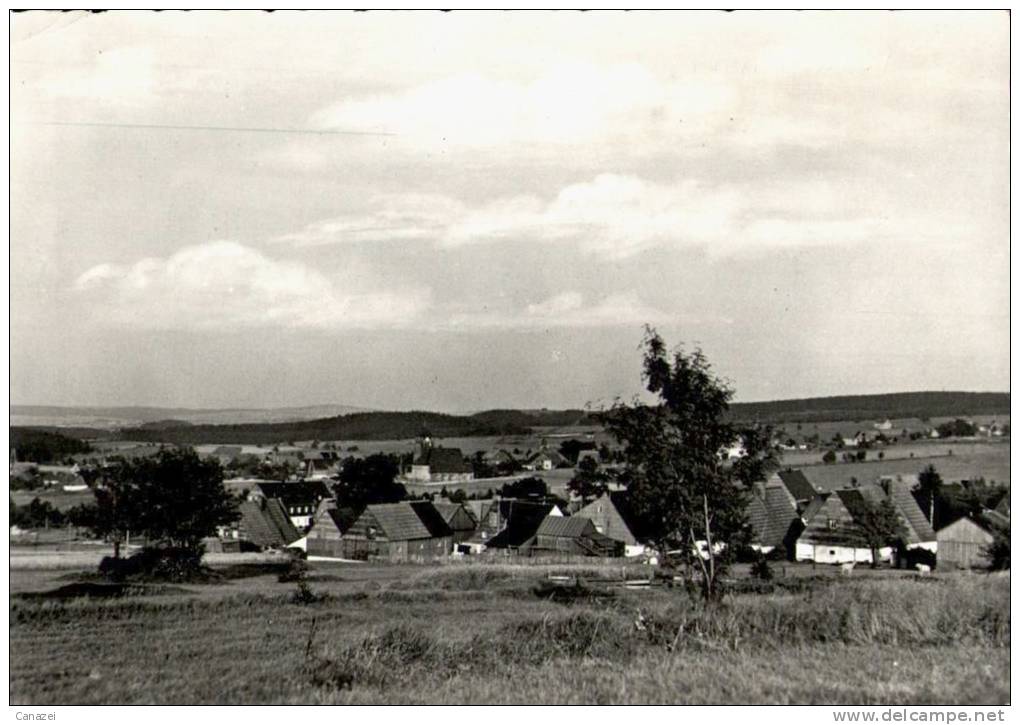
<point x="478" y="633"/>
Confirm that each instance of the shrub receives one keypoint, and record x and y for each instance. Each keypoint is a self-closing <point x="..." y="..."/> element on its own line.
<point x="156" y="564"/>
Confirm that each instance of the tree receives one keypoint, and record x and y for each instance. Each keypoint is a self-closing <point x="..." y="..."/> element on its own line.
<point x="369" y="480"/>
<point x="531" y="487"/>
<point x="571" y="448"/>
<point x="878" y="525"/>
<point x="589" y="481"/>
<point x="674" y="453"/>
<point x="997" y="552"/>
<point x="929" y="485"/>
<point x="829" y="456"/>
<point x="174" y="499"/>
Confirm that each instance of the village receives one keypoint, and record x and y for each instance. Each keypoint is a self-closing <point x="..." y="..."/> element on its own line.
<point x="563" y="501"/>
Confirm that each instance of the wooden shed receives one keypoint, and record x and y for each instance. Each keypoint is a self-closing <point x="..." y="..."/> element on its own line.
<point x="962" y="544"/>
<point x="573" y="535"/>
<point x="325" y="538"/>
<point x="406" y="531"/>
<point x="614" y="516"/>
<point x="460" y="520"/>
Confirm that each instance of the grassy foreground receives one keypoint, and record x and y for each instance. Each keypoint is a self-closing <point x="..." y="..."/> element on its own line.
<point x="480" y="634"/>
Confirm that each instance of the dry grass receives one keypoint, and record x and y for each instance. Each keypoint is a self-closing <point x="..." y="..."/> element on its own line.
<point x="476" y="634"/>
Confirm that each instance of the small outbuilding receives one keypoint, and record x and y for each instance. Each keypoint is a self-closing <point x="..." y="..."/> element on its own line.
<point x="962" y="544"/>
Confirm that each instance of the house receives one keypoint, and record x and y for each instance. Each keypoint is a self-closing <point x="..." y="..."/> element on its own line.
<point x="614" y="516"/>
<point x="405" y="531"/>
<point x="572" y="535"/>
<point x="774" y="521"/>
<point x="962" y="543"/>
<point x="884" y="425"/>
<point x="436" y="464"/>
<point x="830" y="534"/>
<point x="589" y="453"/>
<point x="460" y="520"/>
<point x="511" y="524"/>
<point x="797" y="485"/>
<point x="320" y="465"/>
<point x="264" y="522"/>
<point x="329" y="524"/>
<point x="545" y="460"/>
<point x="299" y="498"/>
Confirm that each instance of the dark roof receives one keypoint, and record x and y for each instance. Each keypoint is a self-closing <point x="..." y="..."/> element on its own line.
<point x="521" y="521"/>
<point x="813" y="507"/>
<point x="405" y="521"/>
<point x="854" y="500"/>
<point x="798" y="485"/>
<point x="344" y="517"/>
<point x="625" y="507"/>
<point x="449" y="510"/>
<point x="569" y="527"/>
<point x="433" y="520"/>
<point x="771" y="512"/>
<point x="443" y="460"/>
<point x="295" y="492"/>
<point x="265" y="523"/>
<point x="995" y="518"/>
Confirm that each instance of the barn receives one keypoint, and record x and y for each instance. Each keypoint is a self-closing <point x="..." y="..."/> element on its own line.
<point x="460" y="520"/>
<point x="325" y="538"/>
<point x="962" y="543"/>
<point x="772" y="514"/>
<point x="573" y="535"/>
<point x="830" y="535"/>
<point x="405" y="531"/>
<point x="265" y="523"/>
<point x="614" y="516"/>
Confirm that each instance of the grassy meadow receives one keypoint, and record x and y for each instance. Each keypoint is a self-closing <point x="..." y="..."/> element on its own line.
<point x="501" y="633"/>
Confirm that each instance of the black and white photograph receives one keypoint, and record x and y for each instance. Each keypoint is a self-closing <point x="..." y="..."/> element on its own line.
<point x="510" y="358"/>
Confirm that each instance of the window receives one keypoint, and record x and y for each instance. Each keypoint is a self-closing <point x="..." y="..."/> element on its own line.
<point x="831" y="523"/>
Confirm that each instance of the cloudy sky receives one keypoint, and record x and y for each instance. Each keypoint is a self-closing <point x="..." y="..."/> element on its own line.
<point x="461" y="211"/>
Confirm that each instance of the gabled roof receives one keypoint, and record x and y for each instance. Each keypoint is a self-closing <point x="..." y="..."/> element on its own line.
<point x="814" y="506"/>
<point x="433" y="520"/>
<point x="569" y="527"/>
<point x="521" y="521"/>
<point x="295" y="492"/>
<point x="621" y="500"/>
<point x="398" y="521"/>
<point x="343" y="517"/>
<point x="449" y="510"/>
<point x="265" y="523"/>
<point x="918" y="527"/>
<point x="797" y="484"/>
<point x="771" y="513"/>
<point x="554" y="456"/>
<point x="443" y="460"/>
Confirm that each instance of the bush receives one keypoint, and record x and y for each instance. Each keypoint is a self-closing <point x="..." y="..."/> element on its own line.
<point x="761" y="570"/>
<point x="156" y="564"/>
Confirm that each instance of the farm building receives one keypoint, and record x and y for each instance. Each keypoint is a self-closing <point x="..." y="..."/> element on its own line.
<point x="510" y="524"/>
<point x="830" y="535"/>
<point x="796" y="483"/>
<point x="460" y="520"/>
<point x="265" y="523"/>
<point x="299" y="498"/>
<point x="325" y="538"/>
<point x="962" y="543"/>
<point x="405" y="531"/>
<point x="613" y="516"/>
<point x="918" y="533"/>
<point x="320" y="465"/>
<point x="773" y="518"/>
<point x="572" y="535"/>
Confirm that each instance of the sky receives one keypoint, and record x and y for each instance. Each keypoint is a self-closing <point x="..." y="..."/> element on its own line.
<point x="473" y="210"/>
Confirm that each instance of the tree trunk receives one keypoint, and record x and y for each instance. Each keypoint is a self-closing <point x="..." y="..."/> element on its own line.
<point x="116" y="548"/>
<point x="931" y="509"/>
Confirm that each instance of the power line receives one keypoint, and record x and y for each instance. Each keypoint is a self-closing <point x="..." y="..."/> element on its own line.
<point x="240" y="129"/>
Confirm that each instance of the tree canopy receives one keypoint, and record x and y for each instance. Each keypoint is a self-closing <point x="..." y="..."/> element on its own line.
<point x="690" y="497"/>
<point x="173" y="499"/>
<point x="369" y="480"/>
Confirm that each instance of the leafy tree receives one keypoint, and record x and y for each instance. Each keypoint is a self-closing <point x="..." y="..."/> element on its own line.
<point x="957" y="428"/>
<point x="929" y="485"/>
<point x="369" y="480"/>
<point x="458" y="496"/>
<point x="675" y="461"/>
<point x="571" y="448"/>
<point x="174" y="499"/>
<point x="829" y="456"/>
<point x="997" y="552"/>
<point x="531" y="487"/>
<point x="589" y="481"/>
<point x="38" y="514"/>
<point x="878" y="525"/>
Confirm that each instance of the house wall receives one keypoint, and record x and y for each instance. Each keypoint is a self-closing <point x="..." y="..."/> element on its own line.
<point x="836" y="554"/>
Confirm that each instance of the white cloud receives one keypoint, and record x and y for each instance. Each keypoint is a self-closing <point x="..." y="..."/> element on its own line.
<point x="571" y="103"/>
<point x="224" y="284"/>
<point x="617" y="216"/>
<point x="567" y="309"/>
